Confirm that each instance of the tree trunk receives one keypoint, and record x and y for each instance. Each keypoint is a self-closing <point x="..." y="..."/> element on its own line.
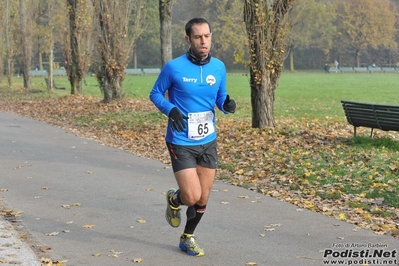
<point x="74" y="74"/>
<point x="262" y="101"/>
<point x="165" y="17"/>
<point x="357" y="54"/>
<point x="1" y="69"/>
<point x="10" y="70"/>
<point x="120" y="24"/>
<point x="292" y="60"/>
<point x="10" y="50"/>
<point x="265" y="23"/>
<point x="26" y="45"/>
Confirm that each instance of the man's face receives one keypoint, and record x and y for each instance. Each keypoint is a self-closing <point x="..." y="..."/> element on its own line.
<point x="200" y="40"/>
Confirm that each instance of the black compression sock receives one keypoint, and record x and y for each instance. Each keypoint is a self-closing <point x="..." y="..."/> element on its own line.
<point x="195" y="219"/>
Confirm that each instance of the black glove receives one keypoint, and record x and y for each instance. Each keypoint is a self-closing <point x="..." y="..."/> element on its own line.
<point x="229" y="105"/>
<point x="177" y="119"/>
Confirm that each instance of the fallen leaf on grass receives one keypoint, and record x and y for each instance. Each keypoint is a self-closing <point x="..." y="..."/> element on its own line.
<point x="395" y="232"/>
<point x="342" y="216"/>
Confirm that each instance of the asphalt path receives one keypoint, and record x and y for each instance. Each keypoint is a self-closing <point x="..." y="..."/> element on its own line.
<point x="96" y="205"/>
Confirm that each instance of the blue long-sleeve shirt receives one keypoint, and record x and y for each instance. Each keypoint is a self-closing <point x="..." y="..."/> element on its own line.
<point x="194" y="90"/>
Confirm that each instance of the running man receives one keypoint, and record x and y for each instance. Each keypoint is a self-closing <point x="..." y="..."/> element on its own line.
<point x="195" y="83"/>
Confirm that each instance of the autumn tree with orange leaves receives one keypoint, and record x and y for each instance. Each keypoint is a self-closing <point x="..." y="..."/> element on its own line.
<point x="365" y="23"/>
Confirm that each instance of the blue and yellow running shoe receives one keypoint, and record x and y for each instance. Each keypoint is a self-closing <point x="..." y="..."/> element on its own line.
<point x="188" y="244"/>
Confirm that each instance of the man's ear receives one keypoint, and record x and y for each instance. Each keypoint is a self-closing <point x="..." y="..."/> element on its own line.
<point x="188" y="39"/>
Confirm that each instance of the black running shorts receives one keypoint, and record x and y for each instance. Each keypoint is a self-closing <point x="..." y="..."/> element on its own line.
<point x="184" y="157"/>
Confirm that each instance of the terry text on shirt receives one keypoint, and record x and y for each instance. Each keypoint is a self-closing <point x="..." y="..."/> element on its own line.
<point x="193" y="80"/>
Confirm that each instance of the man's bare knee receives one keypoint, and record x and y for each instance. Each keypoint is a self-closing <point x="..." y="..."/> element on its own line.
<point x="192" y="198"/>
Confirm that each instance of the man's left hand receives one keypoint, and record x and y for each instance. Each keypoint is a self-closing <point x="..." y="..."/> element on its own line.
<point x="229" y="105"/>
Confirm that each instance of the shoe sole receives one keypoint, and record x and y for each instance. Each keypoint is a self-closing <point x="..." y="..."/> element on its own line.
<point x="189" y="252"/>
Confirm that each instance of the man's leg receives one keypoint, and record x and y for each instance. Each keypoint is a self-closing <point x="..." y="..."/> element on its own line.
<point x="194" y="191"/>
<point x="195" y="184"/>
<point x="196" y="211"/>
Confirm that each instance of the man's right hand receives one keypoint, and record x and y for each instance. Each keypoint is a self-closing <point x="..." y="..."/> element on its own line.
<point x="177" y="120"/>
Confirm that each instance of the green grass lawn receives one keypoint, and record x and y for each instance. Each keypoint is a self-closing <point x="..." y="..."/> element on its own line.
<point x="318" y="95"/>
<point x="299" y="94"/>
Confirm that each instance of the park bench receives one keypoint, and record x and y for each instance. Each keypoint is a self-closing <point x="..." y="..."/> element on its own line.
<point x="59" y="72"/>
<point x="390" y="70"/>
<point x="384" y="117"/>
<point x="346" y="69"/>
<point x="375" y="69"/>
<point x="133" y="71"/>
<point x="149" y="71"/>
<point x="361" y="69"/>
<point x="38" y="73"/>
<point x="54" y="86"/>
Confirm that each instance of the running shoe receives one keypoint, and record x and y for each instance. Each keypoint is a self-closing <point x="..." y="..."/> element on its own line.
<point x="188" y="244"/>
<point x="173" y="213"/>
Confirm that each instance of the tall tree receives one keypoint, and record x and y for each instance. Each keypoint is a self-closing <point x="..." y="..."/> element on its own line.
<point x="312" y="23"/>
<point x="120" y="23"/>
<point x="26" y="44"/>
<point x="165" y="18"/>
<point x="79" y="42"/>
<point x="266" y="23"/>
<point x="364" y="23"/>
<point x="2" y="43"/>
<point x="11" y="29"/>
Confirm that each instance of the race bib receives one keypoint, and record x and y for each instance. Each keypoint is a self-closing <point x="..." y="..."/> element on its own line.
<point x="200" y="125"/>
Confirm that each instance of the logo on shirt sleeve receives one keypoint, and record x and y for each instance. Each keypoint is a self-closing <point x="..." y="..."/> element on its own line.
<point x="210" y="80"/>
